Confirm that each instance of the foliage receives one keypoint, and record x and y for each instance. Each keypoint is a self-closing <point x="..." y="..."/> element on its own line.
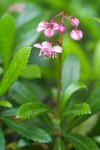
<point x="28" y="112"/>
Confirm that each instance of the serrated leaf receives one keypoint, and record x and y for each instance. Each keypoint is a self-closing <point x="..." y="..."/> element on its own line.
<point x="59" y="145"/>
<point x="81" y="142"/>
<point x="94" y="100"/>
<point x="22" y="94"/>
<point x="15" y="68"/>
<point x="77" y="109"/>
<point x="70" y="71"/>
<point x="28" y="131"/>
<point x="32" y="110"/>
<point x="2" y="140"/>
<point x="71" y="89"/>
<point x="7" y="36"/>
<point x="5" y="103"/>
<point x="31" y="71"/>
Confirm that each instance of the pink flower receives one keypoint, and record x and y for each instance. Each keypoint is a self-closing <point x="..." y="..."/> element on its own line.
<point x="61" y="28"/>
<point x="48" y="29"/>
<point x="76" y="34"/>
<point x="74" y="22"/>
<point x="47" y="50"/>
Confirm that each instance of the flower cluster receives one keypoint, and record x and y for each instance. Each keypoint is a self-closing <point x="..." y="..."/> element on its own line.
<point x="49" y="30"/>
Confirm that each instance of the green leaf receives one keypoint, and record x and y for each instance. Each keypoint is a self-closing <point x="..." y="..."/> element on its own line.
<point x="5" y="103"/>
<point x="81" y="142"/>
<point x="32" y="110"/>
<point x="77" y="121"/>
<point x="1" y="70"/>
<point x="96" y="60"/>
<point x="9" y="112"/>
<point x="22" y="94"/>
<point x="70" y="71"/>
<point x="59" y="145"/>
<point x="71" y="89"/>
<point x="2" y="140"/>
<point x="31" y="71"/>
<point x="15" y="68"/>
<point x="94" y="103"/>
<point x="97" y="19"/>
<point x="7" y="37"/>
<point x="28" y="131"/>
<point x="94" y="100"/>
<point x="77" y="109"/>
<point x="74" y="47"/>
<point x="22" y="143"/>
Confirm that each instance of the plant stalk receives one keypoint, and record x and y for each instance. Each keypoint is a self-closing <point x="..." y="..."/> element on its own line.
<point x="59" y="80"/>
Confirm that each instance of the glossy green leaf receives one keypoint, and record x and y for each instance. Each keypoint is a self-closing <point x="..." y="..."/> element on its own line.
<point x="94" y="104"/>
<point x="71" y="89"/>
<point x="22" y="143"/>
<point x="31" y="71"/>
<point x="22" y="94"/>
<point x="7" y="37"/>
<point x="59" y="145"/>
<point x="81" y="142"/>
<point x="2" y="140"/>
<point x="71" y="47"/>
<point x="32" y="110"/>
<point x="70" y="71"/>
<point x="77" y="109"/>
<point x="1" y="70"/>
<point x="5" y="103"/>
<point x="96" y="60"/>
<point x="9" y="112"/>
<point x="15" y="68"/>
<point x="97" y="19"/>
<point x="28" y="131"/>
<point x="94" y="100"/>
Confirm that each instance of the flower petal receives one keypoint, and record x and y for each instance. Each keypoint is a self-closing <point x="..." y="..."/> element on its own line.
<point x="54" y="25"/>
<point x="46" y="44"/>
<point x="49" y="32"/>
<point x="57" y="49"/>
<point x="38" y="45"/>
<point x="41" y="26"/>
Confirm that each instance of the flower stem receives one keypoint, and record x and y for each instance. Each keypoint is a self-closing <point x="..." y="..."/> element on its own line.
<point x="59" y="80"/>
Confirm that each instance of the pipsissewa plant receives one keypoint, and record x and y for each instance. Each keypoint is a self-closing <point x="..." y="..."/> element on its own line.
<point x="55" y="119"/>
<point x="54" y="125"/>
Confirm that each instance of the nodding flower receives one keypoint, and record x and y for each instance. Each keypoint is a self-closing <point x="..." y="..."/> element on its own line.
<point x="48" y="29"/>
<point x="47" y="50"/>
<point x="74" y="22"/>
<point x="76" y="34"/>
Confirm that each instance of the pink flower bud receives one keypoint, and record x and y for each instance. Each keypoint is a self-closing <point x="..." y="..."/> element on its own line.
<point x="61" y="28"/>
<point x="74" y="22"/>
<point x="76" y="34"/>
<point x="54" y="25"/>
<point x="49" y="32"/>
